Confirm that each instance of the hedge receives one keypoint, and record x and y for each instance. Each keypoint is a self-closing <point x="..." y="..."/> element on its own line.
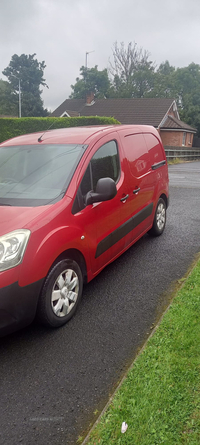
<point x="11" y="127"/>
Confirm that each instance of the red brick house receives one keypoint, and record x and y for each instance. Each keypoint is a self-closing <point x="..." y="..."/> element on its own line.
<point x="161" y="113"/>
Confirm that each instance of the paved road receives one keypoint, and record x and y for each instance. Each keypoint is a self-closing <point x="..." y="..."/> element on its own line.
<point x="51" y="382"/>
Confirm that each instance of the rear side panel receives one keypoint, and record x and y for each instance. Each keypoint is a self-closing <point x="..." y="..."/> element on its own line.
<point x="158" y="162"/>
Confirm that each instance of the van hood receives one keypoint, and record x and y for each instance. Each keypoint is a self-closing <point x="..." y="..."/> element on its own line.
<point x="14" y="218"/>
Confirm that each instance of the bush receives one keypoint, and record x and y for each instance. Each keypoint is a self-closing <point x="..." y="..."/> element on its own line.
<point x="11" y="127"/>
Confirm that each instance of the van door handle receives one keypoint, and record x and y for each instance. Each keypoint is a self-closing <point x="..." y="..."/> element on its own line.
<point x="124" y="198"/>
<point x="136" y="190"/>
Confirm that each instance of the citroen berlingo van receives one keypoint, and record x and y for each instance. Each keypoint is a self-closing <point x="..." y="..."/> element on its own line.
<point x="71" y="201"/>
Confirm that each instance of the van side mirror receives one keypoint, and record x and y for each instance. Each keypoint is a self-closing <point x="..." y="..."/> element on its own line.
<point x="105" y="190"/>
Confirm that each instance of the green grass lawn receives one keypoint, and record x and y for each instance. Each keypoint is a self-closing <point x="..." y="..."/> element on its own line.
<point x="160" y="398"/>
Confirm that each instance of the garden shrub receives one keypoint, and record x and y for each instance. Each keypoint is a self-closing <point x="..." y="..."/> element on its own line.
<point x="11" y="127"/>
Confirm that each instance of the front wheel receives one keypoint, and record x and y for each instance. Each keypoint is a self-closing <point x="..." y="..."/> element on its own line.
<point x="61" y="294"/>
<point x="159" y="219"/>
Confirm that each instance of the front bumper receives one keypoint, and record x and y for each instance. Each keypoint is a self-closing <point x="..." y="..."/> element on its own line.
<point x="18" y="306"/>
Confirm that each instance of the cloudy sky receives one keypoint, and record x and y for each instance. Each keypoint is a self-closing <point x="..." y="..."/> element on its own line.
<point x="60" y="32"/>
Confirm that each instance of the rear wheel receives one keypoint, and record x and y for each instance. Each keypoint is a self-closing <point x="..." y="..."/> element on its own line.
<point x="159" y="219"/>
<point x="61" y="294"/>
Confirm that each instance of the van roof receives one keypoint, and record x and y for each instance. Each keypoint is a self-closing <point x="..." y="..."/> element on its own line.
<point x="73" y="135"/>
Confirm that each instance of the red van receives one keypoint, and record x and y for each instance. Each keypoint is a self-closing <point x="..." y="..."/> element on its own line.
<point x="71" y="201"/>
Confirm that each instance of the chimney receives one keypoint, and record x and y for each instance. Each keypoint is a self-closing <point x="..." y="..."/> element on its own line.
<point x="90" y="98"/>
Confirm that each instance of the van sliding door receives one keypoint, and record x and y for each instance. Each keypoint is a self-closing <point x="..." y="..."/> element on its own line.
<point x="138" y="209"/>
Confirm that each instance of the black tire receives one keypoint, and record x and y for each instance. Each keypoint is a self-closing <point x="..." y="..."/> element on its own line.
<point x="61" y="294"/>
<point x="159" y="219"/>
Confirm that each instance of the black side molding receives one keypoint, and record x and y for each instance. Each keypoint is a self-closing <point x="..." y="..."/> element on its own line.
<point x="123" y="230"/>
<point x="158" y="165"/>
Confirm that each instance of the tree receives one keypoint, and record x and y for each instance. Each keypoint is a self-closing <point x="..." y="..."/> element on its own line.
<point x="132" y="71"/>
<point x="30" y="72"/>
<point x="183" y="85"/>
<point x="135" y="75"/>
<point x="92" y="81"/>
<point x="188" y="93"/>
<point x="164" y="81"/>
<point x="7" y="100"/>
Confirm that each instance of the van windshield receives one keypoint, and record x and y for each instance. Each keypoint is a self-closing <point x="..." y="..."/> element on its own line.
<point x="32" y="175"/>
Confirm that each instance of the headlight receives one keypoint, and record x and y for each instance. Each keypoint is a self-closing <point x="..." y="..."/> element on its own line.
<point x="12" y="248"/>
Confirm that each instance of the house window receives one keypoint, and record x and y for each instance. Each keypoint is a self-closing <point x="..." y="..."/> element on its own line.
<point x="184" y="138"/>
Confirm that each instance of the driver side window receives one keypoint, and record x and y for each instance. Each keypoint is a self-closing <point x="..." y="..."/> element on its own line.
<point x="104" y="164"/>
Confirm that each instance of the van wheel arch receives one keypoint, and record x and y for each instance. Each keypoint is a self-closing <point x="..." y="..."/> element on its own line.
<point x="76" y="255"/>
<point x="164" y="197"/>
<point x="159" y="218"/>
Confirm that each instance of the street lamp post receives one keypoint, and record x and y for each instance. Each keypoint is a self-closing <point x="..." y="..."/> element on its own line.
<point x="86" y="56"/>
<point x="20" y="102"/>
<point x="86" y="59"/>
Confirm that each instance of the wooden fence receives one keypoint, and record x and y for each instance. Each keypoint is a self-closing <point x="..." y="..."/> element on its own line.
<point x="185" y="153"/>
